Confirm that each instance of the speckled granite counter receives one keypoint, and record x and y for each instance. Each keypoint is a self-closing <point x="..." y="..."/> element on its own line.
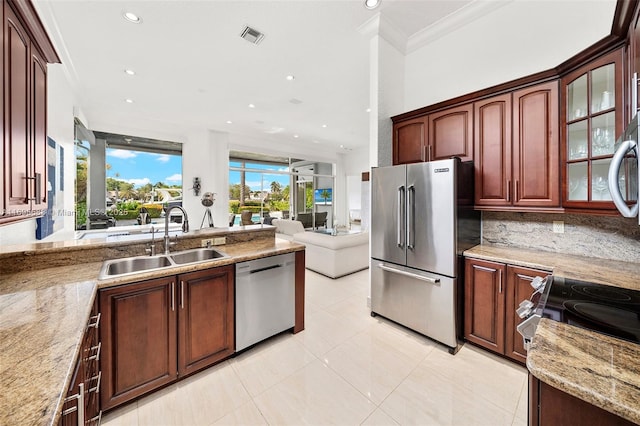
<point x="42" y="320"/>
<point x="601" y="271"/>
<point x="596" y="368"/>
<point x="43" y="315"/>
<point x="599" y="369"/>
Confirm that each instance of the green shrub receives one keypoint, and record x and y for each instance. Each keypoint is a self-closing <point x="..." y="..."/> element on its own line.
<point x="155" y="210"/>
<point x="233" y="206"/>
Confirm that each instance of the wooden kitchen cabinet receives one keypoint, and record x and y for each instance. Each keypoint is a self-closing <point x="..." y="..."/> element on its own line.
<point x="437" y="136"/>
<point x="484" y="304"/>
<point x="551" y="406"/>
<point x="86" y="373"/>
<point x="592" y="120"/>
<point x="410" y="141"/>
<point x="139" y="339"/>
<point x="493" y="156"/>
<point x="517" y="149"/>
<point x="158" y="330"/>
<point x="24" y="108"/>
<point x="493" y="291"/>
<point x="206" y="318"/>
<point x="451" y="134"/>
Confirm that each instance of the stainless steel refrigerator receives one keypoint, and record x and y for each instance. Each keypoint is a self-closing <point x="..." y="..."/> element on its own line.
<point x="422" y="219"/>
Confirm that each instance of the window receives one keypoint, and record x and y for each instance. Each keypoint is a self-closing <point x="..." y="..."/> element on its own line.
<point x="278" y="187"/>
<point x="118" y="177"/>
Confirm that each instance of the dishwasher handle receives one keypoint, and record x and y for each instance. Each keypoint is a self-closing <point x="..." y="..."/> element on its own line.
<point x="266" y="268"/>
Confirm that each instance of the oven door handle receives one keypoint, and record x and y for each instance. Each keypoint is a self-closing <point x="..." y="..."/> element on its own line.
<point x="614" y="170"/>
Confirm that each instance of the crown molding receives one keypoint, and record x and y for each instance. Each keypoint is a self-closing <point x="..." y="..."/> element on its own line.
<point x="379" y="25"/>
<point x="452" y="22"/>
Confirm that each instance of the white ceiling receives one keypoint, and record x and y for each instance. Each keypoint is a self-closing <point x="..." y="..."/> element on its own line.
<point x="194" y="72"/>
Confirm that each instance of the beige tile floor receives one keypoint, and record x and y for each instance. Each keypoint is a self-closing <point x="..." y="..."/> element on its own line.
<point x="345" y="368"/>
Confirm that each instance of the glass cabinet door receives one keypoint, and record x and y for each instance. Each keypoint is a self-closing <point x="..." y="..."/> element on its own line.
<point x="593" y="111"/>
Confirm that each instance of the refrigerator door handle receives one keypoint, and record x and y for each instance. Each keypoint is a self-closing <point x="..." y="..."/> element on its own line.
<point x="401" y="218"/>
<point x="408" y="274"/>
<point x="411" y="217"/>
<point x="614" y="188"/>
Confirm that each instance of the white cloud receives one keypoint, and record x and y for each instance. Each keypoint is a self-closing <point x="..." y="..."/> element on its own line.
<point x="139" y="182"/>
<point x="163" y="158"/>
<point x="121" y="153"/>
<point x="174" y="178"/>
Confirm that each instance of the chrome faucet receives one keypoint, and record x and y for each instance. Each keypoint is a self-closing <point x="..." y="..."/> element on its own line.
<point x="185" y="226"/>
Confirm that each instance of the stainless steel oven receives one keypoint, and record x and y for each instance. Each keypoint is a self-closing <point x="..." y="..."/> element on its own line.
<point x="606" y="309"/>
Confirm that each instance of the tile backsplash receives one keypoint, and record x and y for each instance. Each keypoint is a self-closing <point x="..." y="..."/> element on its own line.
<point x="587" y="235"/>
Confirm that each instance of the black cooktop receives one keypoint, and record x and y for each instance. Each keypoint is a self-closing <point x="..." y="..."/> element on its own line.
<point x="610" y="310"/>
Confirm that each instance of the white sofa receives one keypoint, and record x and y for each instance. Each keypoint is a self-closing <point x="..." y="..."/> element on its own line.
<point x="285" y="228"/>
<point x="335" y="256"/>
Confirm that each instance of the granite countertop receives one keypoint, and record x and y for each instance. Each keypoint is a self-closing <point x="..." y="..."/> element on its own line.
<point x="599" y="369"/>
<point x="601" y="271"/>
<point x="43" y="316"/>
<point x="596" y="368"/>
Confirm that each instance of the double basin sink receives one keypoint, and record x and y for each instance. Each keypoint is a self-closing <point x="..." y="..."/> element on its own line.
<point x="138" y="264"/>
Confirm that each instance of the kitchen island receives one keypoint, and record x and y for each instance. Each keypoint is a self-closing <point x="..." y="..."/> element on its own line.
<point x="601" y="370"/>
<point x="44" y="312"/>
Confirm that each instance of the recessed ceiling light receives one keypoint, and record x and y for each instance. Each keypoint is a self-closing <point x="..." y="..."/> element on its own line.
<point x="252" y="106"/>
<point x="132" y="17"/>
<point x="229" y="122"/>
<point x="129" y="101"/>
<point x="130" y="72"/>
<point x="371" y="4"/>
<point x="296" y="136"/>
<point x="290" y="77"/>
<point x="324" y="125"/>
<point x="368" y="109"/>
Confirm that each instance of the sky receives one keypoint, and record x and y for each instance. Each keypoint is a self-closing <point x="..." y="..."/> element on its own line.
<point x="141" y="168"/>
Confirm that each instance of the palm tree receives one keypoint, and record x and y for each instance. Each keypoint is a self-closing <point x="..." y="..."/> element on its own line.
<point x="325" y="194"/>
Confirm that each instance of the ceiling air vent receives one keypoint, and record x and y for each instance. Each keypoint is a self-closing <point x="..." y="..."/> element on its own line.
<point x="252" y="35"/>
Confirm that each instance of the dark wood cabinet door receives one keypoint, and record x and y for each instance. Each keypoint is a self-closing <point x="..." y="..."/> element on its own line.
<point x="551" y="406"/>
<point x="518" y="289"/>
<point x="16" y="120"/>
<point x="410" y="141"/>
<point x="206" y="318"/>
<point x="451" y="134"/>
<point x="492" y="140"/>
<point x="38" y="158"/>
<point x="139" y="339"/>
<point x="484" y="304"/>
<point x="536" y="146"/>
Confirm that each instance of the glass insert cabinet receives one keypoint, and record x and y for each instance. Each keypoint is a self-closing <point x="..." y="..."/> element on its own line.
<point x="592" y="121"/>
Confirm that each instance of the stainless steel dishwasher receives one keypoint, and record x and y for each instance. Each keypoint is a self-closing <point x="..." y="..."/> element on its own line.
<point x="265" y="298"/>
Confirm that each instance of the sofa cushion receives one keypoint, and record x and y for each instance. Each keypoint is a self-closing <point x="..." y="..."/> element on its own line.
<point x="287" y="227"/>
<point x="330" y="241"/>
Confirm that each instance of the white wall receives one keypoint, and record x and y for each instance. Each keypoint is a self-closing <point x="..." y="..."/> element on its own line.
<point x="516" y="40"/>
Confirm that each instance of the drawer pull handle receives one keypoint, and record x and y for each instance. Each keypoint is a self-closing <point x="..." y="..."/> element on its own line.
<point x="97" y="378"/>
<point x="94" y="321"/>
<point x="96" y="355"/>
<point x="79" y="405"/>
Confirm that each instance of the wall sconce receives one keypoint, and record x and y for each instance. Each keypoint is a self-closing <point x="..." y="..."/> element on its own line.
<point x="196" y="186"/>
